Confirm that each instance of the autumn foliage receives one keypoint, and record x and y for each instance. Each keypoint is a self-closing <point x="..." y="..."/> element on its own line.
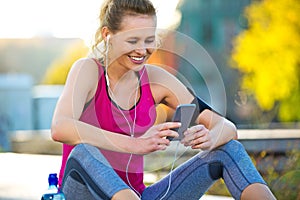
<point x="58" y="70"/>
<point x="268" y="55"/>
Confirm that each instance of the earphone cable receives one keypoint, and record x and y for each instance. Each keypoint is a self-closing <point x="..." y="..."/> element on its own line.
<point x="131" y="129"/>
<point x="170" y="173"/>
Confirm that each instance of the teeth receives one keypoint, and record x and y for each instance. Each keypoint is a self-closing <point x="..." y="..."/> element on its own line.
<point x="137" y="58"/>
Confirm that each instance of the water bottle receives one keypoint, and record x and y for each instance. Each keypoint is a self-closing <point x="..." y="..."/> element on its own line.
<point x="53" y="193"/>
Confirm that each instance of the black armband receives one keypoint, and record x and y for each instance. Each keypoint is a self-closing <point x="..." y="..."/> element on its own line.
<point x="200" y="105"/>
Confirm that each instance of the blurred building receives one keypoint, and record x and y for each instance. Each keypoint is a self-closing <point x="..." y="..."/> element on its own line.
<point x="24" y="105"/>
<point x="31" y="56"/>
<point x="213" y="24"/>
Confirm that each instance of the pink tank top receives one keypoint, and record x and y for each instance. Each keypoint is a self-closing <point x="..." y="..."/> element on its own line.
<point x="102" y="112"/>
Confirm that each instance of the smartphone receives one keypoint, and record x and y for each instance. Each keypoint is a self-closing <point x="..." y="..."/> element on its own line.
<point x="183" y="114"/>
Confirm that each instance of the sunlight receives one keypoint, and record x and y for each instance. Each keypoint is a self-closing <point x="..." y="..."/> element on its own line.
<point x="25" y="19"/>
<point x="64" y="18"/>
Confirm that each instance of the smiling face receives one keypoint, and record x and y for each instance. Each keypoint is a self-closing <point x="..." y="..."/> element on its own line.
<point x="133" y="44"/>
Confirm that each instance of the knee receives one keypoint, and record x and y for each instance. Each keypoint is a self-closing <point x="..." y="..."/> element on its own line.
<point x="82" y="149"/>
<point x="86" y="153"/>
<point x="231" y="149"/>
<point x="233" y="146"/>
<point x="215" y="170"/>
<point x="83" y="146"/>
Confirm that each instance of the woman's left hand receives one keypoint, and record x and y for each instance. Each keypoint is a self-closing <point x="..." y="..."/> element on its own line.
<point x="197" y="137"/>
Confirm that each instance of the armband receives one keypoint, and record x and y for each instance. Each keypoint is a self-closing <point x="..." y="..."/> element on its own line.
<point x="200" y="105"/>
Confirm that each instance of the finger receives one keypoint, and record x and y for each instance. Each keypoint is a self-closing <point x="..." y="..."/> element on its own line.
<point x="195" y="129"/>
<point x="199" y="140"/>
<point x="196" y="132"/>
<point x="188" y="138"/>
<point x="194" y="142"/>
<point x="166" y="133"/>
<point x="162" y="147"/>
<point x="162" y="144"/>
<point x="165" y="142"/>
<point x="196" y="138"/>
<point x="168" y="125"/>
<point x="203" y="146"/>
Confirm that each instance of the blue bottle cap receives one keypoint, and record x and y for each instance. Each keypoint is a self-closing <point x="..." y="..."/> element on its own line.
<point x="52" y="179"/>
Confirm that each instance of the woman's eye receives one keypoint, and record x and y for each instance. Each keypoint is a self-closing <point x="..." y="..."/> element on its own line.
<point x="132" y="41"/>
<point x="149" y="41"/>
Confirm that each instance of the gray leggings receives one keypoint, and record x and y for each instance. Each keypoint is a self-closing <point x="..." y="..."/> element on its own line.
<point x="89" y="176"/>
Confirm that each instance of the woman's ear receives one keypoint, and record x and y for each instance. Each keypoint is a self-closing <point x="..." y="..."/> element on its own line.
<point x="105" y="33"/>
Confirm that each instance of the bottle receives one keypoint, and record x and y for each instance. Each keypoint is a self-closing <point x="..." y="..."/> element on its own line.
<point x="53" y="193"/>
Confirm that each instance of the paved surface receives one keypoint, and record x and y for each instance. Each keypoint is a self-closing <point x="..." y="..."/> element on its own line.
<point x="24" y="176"/>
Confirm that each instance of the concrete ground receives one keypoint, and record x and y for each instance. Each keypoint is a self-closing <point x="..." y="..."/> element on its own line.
<point x="24" y="176"/>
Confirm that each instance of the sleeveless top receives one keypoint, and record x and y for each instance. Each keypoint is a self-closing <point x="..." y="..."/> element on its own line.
<point x="103" y="113"/>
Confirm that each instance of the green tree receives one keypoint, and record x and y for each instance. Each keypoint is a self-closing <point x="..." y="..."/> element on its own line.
<point x="58" y="70"/>
<point x="268" y="55"/>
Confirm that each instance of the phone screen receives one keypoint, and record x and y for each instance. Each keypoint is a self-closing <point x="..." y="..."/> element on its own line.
<point x="183" y="114"/>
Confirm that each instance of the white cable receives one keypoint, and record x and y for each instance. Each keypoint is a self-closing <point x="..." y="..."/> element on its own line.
<point x="131" y="129"/>
<point x="106" y="61"/>
<point x="170" y="173"/>
<point x="132" y="135"/>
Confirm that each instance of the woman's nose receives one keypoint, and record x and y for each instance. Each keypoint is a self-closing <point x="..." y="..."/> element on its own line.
<point x="141" y="50"/>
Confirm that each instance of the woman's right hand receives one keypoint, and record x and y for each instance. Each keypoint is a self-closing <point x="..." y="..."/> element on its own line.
<point x="155" y="138"/>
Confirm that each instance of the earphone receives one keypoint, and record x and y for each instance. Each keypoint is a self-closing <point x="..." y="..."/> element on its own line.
<point x="121" y="111"/>
<point x="107" y="37"/>
<point x="106" y="60"/>
<point x="134" y="121"/>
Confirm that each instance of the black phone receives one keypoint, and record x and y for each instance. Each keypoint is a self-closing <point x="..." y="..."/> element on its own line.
<point x="183" y="114"/>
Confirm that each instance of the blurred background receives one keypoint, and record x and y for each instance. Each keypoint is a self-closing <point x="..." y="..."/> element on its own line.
<point x="255" y="46"/>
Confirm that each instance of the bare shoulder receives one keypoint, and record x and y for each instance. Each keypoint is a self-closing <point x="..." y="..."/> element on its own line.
<point x="86" y="65"/>
<point x="84" y="69"/>
<point x="82" y="79"/>
<point x="166" y="87"/>
<point x="156" y="73"/>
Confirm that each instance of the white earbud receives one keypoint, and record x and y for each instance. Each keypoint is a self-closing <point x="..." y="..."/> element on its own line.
<point x="107" y="79"/>
<point x="106" y="58"/>
<point x="107" y="38"/>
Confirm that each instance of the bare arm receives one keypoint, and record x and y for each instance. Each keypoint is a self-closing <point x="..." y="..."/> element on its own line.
<point x="220" y="130"/>
<point x="212" y="130"/>
<point x="66" y="127"/>
<point x="80" y="86"/>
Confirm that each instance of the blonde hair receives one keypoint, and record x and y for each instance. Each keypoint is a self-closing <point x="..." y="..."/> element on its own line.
<point x="112" y="13"/>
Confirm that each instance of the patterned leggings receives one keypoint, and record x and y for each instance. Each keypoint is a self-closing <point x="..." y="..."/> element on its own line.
<point x="89" y="176"/>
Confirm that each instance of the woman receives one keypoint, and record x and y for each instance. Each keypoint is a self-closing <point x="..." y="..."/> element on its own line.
<point x="105" y="118"/>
